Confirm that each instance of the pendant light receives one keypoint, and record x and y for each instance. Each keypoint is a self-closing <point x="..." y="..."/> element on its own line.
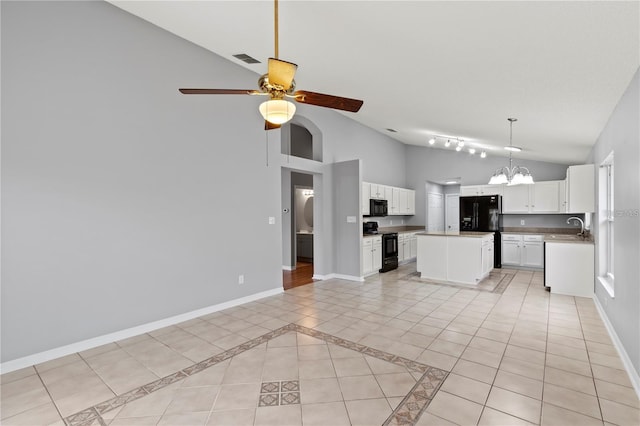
<point x="511" y="175"/>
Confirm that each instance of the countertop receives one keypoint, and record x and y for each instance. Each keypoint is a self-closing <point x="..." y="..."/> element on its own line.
<point x="552" y="235"/>
<point x="466" y="234"/>
<point x="567" y="239"/>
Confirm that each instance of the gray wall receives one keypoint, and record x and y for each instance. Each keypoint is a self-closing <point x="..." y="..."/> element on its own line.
<point x="122" y="198"/>
<point x="622" y="135"/>
<point x="431" y="164"/>
<point x="346" y="191"/>
<point x="120" y="195"/>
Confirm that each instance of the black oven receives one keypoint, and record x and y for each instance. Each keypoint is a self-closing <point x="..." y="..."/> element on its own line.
<point x="389" y="252"/>
<point x="377" y="208"/>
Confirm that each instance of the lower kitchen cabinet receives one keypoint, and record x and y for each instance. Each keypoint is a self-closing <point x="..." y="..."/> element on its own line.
<point x="407" y="246"/>
<point x="522" y="250"/>
<point x="371" y="255"/>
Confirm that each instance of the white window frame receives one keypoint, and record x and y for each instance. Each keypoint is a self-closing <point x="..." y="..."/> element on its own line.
<point x="606" y="225"/>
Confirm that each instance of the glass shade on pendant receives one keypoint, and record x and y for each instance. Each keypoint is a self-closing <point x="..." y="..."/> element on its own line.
<point x="498" y="178"/>
<point x="517" y="179"/>
<point x="277" y="111"/>
<point x="527" y="179"/>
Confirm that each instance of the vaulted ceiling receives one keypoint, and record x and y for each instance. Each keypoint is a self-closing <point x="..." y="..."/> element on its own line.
<point x="451" y="68"/>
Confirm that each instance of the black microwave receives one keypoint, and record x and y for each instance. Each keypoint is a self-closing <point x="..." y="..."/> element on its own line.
<point x="377" y="208"/>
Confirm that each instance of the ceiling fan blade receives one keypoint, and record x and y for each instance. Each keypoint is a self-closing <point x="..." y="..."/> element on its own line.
<point x="281" y="72"/>
<point x="328" y="101"/>
<point x="270" y="126"/>
<point x="218" y="91"/>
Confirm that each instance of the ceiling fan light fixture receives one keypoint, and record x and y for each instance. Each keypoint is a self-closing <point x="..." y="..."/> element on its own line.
<point x="277" y="111"/>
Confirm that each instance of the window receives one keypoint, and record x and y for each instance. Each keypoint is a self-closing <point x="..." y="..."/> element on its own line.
<point x="606" y="217"/>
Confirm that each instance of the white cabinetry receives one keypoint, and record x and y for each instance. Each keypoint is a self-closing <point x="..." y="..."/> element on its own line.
<point x="544" y="197"/>
<point x="379" y="192"/>
<point x="581" y="189"/>
<point x="541" y="197"/>
<point x="515" y="199"/>
<point x="470" y="190"/>
<point x="569" y="268"/>
<point x="371" y="255"/>
<point x="407" y="246"/>
<point x="511" y="249"/>
<point x="454" y="258"/>
<point x="487" y="255"/>
<point x="366" y="191"/>
<point x="522" y="250"/>
<point x="532" y="251"/>
<point x="400" y="201"/>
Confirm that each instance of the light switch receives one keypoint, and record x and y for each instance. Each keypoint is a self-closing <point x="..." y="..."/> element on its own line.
<point x="351" y="219"/>
<point x="272" y="220"/>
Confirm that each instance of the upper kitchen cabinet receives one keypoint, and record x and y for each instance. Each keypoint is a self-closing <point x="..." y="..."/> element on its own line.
<point x="545" y="197"/>
<point x="515" y="199"/>
<point x="400" y="201"/>
<point x="472" y="190"/>
<point x="541" y="197"/>
<point x="377" y="191"/>
<point x="580" y="189"/>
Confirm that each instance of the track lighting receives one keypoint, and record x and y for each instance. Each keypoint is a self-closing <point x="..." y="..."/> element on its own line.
<point x="447" y="144"/>
<point x="472" y="151"/>
<point x="432" y="141"/>
<point x="483" y="154"/>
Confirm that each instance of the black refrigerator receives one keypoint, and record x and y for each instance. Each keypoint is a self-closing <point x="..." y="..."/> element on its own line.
<point x="483" y="214"/>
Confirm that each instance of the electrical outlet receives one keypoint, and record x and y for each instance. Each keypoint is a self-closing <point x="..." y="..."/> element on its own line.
<point x="390" y="222"/>
<point x="240" y="279"/>
<point x="522" y="222"/>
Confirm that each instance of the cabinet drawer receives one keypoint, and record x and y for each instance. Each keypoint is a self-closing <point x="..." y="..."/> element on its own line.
<point x="367" y="242"/>
<point x="511" y="237"/>
<point x="533" y="238"/>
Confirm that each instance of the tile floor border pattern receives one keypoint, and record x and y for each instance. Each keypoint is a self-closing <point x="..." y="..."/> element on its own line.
<point x="498" y="288"/>
<point x="406" y="413"/>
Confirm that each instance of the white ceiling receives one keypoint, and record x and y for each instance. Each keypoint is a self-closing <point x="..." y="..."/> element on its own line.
<point x="452" y="68"/>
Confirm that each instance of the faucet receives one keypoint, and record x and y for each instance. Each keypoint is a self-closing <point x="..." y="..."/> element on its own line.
<point x="581" y="224"/>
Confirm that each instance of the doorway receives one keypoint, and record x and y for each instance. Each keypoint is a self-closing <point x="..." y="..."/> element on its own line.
<point x="452" y="212"/>
<point x="435" y="212"/>
<point x="302" y="240"/>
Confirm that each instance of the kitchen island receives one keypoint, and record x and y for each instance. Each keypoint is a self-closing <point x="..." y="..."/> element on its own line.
<point x="461" y="257"/>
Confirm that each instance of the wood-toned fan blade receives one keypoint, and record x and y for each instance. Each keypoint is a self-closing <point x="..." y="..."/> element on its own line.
<point x="270" y="126"/>
<point x="217" y="91"/>
<point x="281" y="72"/>
<point x="328" y="101"/>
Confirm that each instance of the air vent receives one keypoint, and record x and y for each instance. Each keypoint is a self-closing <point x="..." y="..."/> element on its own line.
<point x="246" y="58"/>
<point x="392" y="130"/>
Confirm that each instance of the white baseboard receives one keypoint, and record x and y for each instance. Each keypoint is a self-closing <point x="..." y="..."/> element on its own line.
<point x="84" y="345"/>
<point x="631" y="372"/>
<point x="288" y="268"/>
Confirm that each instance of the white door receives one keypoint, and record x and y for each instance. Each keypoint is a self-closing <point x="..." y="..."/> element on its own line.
<point x="452" y="213"/>
<point x="435" y="212"/>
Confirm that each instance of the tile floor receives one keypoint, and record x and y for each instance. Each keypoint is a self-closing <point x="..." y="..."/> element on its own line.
<point x="391" y="350"/>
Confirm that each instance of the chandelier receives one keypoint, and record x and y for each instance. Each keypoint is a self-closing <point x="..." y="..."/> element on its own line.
<point x="511" y="175"/>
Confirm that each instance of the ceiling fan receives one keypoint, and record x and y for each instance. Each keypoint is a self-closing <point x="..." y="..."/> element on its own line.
<point x="279" y="85"/>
